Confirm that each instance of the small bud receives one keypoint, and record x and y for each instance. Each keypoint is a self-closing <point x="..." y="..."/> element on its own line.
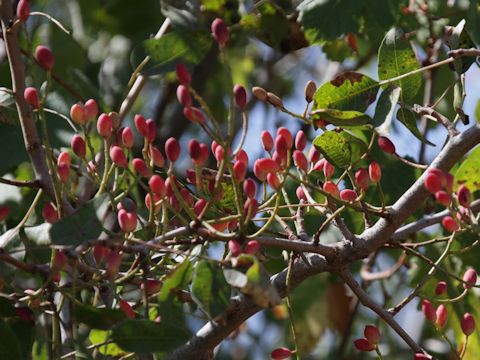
<point x="372" y="334"/>
<point x="348" y="195"/>
<point x="23" y="10"/>
<point x="274" y="100"/>
<point x="464" y="196"/>
<point x="50" y="213"/>
<point x="441" y="288"/>
<point x="375" y="171"/>
<point x="363" y="345"/>
<point x="77" y="114"/>
<point x="252" y="247"/>
<point x="172" y="149"/>
<point x="300" y="160"/>
<point x="234" y="248"/>
<point x="114" y="260"/>
<point x="118" y="156"/>
<point x="267" y="140"/>
<point x="283" y="131"/>
<point x="450" y="224"/>
<point x="200" y="206"/>
<point x="31" y="97"/>
<point x="194" y="115"/>
<point x="470" y="278"/>
<point x="4" y="211"/>
<point x="127" y="137"/>
<point x="219" y="153"/>
<point x="141" y="168"/>
<point x="319" y="165"/>
<point x="429" y="310"/>
<point x="468" y="324"/>
<point x="328" y="169"/>
<point x="331" y="188"/>
<point x="310" y="89"/>
<point x="156" y="156"/>
<point x="78" y="146"/>
<point x="194" y="150"/>
<point x="300" y="140"/>
<point x="183" y="76"/>
<point x="313" y="155"/>
<point x="240" y="96"/>
<point x="220" y="31"/>
<point x="141" y="125"/>
<point x="127" y="220"/>
<point x="274" y="181"/>
<point x="281" y="353"/>
<point x="63" y="172"/>
<point x="362" y="179"/>
<point x="264" y="166"/>
<point x="44" y="57"/>
<point x="169" y="185"/>
<point x="240" y="170"/>
<point x="151" y="130"/>
<point x="242" y="157"/>
<point x="442" y="315"/>
<point x="104" y="126"/>
<point x="127" y="309"/>
<point x="64" y="158"/>
<point x="91" y="110"/>
<point x="443" y="198"/>
<point x="250" y="207"/>
<point x="259" y="93"/>
<point x="249" y="188"/>
<point x="183" y="96"/>
<point x="386" y="145"/>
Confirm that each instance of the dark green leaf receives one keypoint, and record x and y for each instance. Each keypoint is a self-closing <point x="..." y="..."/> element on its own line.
<point x="98" y="318"/>
<point x="335" y="148"/>
<point x="467" y="173"/>
<point x="209" y="288"/>
<point x="460" y="39"/>
<point x="358" y="146"/>
<point x="348" y="91"/>
<point x="395" y="58"/>
<point x="176" y="279"/>
<point x="144" y="336"/>
<point x="386" y="106"/>
<point x="407" y="118"/>
<point x="9" y="345"/>
<point x="187" y="46"/>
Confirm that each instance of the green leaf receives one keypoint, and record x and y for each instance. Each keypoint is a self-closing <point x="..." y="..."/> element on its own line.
<point x="144" y="336"/>
<point x="460" y="39"/>
<point x="459" y="98"/>
<point x="188" y="46"/>
<point x="358" y="146"/>
<point x="98" y="318"/>
<point x="8" y="111"/>
<point x="85" y="224"/>
<point x="328" y="19"/>
<point x="348" y="91"/>
<point x="101" y="336"/>
<point x="341" y="118"/>
<point x="209" y="288"/>
<point x="335" y="148"/>
<point x="408" y="118"/>
<point x="176" y="279"/>
<point x="337" y="50"/>
<point x="395" y="58"/>
<point x="9" y="345"/>
<point x="386" y="106"/>
<point x="467" y="173"/>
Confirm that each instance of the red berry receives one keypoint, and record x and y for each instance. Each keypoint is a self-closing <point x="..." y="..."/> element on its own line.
<point x="433" y="182"/>
<point x="104" y="125"/>
<point x="60" y="260"/>
<point x="240" y="96"/>
<point x="300" y="160"/>
<point x="386" y="145"/>
<point x="281" y="145"/>
<point x="113" y="262"/>
<point x="300" y="140"/>
<point x="200" y="206"/>
<point x="141" y="168"/>
<point x="301" y="194"/>
<point x="203" y="155"/>
<point x="23" y="10"/>
<point x="127" y="220"/>
<point x="156" y="156"/>
<point x="264" y="166"/>
<point x="372" y="334"/>
<point x="450" y="224"/>
<point x="239" y="170"/>
<point x="157" y="185"/>
<point x="220" y="31"/>
<point x="194" y="150"/>
<point x="468" y="324"/>
<point x="362" y="179"/>
<point x="313" y="155"/>
<point x="441" y="288"/>
<point x="78" y="146"/>
<point x="141" y="125"/>
<point x="118" y="156"/>
<point x="287" y="134"/>
<point x="363" y="345"/>
<point x="4" y="211"/>
<point x="77" y="113"/>
<point x="443" y="198"/>
<point x="151" y="286"/>
<point x="91" y="110"/>
<point x="375" y="172"/>
<point x="151" y="130"/>
<point x="234" y="248"/>
<point x="194" y="114"/>
<point x="63" y="172"/>
<point x="328" y="169"/>
<point x="319" y="165"/>
<point x="219" y="153"/>
<point x="348" y="195"/>
<point x="44" y="57"/>
<point x="183" y="76"/>
<point x="99" y="253"/>
<point x="331" y="188"/>
<point x="281" y="353"/>
<point x="249" y="188"/>
<point x="127" y="137"/>
<point x="280" y="159"/>
<point x="470" y="278"/>
<point x="50" y="213"/>
<point x="274" y="181"/>
<point x="464" y="196"/>
<point x="442" y="315"/>
<point x="183" y="96"/>
<point x="267" y="140"/>
<point x="429" y="311"/>
<point x="64" y="158"/>
<point x="169" y="182"/>
<point x="250" y="206"/>
<point x="252" y="247"/>
<point x="127" y="309"/>
<point x="172" y="149"/>
<point x="31" y="97"/>
<point x="242" y="157"/>
<point x="421" y="356"/>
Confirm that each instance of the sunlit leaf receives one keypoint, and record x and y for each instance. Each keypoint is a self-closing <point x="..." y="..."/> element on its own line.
<point x="335" y="148"/>
<point x="468" y="173"/>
